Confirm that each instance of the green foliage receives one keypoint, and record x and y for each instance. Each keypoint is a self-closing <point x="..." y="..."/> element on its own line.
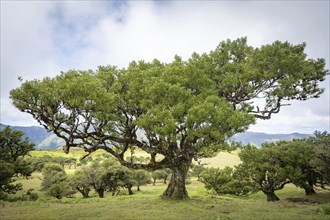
<point x="157" y="174"/>
<point x="79" y="181"/>
<point x="321" y="161"/>
<point x="297" y="158"/>
<point x="326" y="208"/>
<point x="301" y="162"/>
<point x="12" y="146"/>
<point x="185" y="109"/>
<point x="95" y="175"/>
<point x="223" y="181"/>
<point x="107" y="174"/>
<point x="52" y="174"/>
<point x="60" y="190"/>
<point x="7" y="171"/>
<point x="38" y="163"/>
<point x="197" y="169"/>
<point x="262" y="168"/>
<point x="12" y="161"/>
<point x="141" y="178"/>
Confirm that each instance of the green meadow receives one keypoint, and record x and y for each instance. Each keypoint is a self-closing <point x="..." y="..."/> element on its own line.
<point x="146" y="204"/>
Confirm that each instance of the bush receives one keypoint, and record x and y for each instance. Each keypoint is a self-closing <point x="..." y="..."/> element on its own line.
<point x="52" y="174"/>
<point x="197" y="170"/>
<point x="60" y="190"/>
<point x="223" y="181"/>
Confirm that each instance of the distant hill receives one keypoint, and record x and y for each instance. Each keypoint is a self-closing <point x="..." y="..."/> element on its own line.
<point x="36" y="134"/>
<point x="257" y="138"/>
<point x="48" y="140"/>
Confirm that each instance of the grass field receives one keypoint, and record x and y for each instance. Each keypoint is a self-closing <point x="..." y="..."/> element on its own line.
<point x="147" y="204"/>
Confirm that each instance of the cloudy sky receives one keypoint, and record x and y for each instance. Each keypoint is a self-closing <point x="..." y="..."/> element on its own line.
<point x="42" y="38"/>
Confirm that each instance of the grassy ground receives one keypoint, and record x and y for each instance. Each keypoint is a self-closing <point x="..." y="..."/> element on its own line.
<point x="147" y="204"/>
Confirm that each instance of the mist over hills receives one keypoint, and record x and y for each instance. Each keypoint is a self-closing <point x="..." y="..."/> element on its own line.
<point x="47" y="140"/>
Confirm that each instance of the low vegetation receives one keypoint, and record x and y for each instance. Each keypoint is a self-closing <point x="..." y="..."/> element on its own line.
<point x="62" y="186"/>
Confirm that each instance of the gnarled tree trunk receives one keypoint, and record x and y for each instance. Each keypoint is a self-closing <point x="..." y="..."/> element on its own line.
<point x="309" y="190"/>
<point x="130" y="192"/>
<point x="84" y="191"/>
<point x="100" y="192"/>
<point x="176" y="188"/>
<point x="271" y="197"/>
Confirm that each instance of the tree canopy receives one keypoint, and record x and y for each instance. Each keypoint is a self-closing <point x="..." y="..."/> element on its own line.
<point x="12" y="151"/>
<point x="175" y="111"/>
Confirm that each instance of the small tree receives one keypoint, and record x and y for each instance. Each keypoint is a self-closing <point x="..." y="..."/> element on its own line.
<point x="321" y="161"/>
<point x="54" y="181"/>
<point x="215" y="178"/>
<point x="96" y="176"/>
<point x="225" y="181"/>
<point x="296" y="157"/>
<point x="60" y="190"/>
<point x="80" y="182"/>
<point x="127" y="179"/>
<point x="141" y="177"/>
<point x="166" y="173"/>
<point x="261" y="166"/>
<point x="52" y="173"/>
<point x="12" y="152"/>
<point x="157" y="174"/>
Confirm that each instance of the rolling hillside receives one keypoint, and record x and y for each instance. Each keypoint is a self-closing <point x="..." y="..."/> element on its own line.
<point x="47" y="140"/>
<point x="36" y="134"/>
<point x="257" y="138"/>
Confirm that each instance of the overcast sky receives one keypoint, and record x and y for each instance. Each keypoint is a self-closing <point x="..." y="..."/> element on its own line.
<point x="42" y="38"/>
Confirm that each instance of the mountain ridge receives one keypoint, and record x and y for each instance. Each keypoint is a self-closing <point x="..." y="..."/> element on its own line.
<point x="44" y="139"/>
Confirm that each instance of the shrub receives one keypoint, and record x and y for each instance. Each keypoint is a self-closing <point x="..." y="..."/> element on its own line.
<point x="224" y="181"/>
<point x="52" y="173"/>
<point x="60" y="190"/>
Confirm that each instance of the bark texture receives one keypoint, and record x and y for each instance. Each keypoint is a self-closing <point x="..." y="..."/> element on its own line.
<point x="176" y="188"/>
<point x="271" y="196"/>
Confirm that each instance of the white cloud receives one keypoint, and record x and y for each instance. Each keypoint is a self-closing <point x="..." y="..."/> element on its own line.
<point x="43" y="38"/>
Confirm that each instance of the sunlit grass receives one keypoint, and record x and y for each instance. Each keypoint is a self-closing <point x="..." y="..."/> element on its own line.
<point x="222" y="159"/>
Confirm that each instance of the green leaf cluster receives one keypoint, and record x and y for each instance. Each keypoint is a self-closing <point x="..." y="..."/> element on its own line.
<point x="13" y="149"/>
<point x="224" y="181"/>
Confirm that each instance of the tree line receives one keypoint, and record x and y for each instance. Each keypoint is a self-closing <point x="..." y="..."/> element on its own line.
<point x="101" y="174"/>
